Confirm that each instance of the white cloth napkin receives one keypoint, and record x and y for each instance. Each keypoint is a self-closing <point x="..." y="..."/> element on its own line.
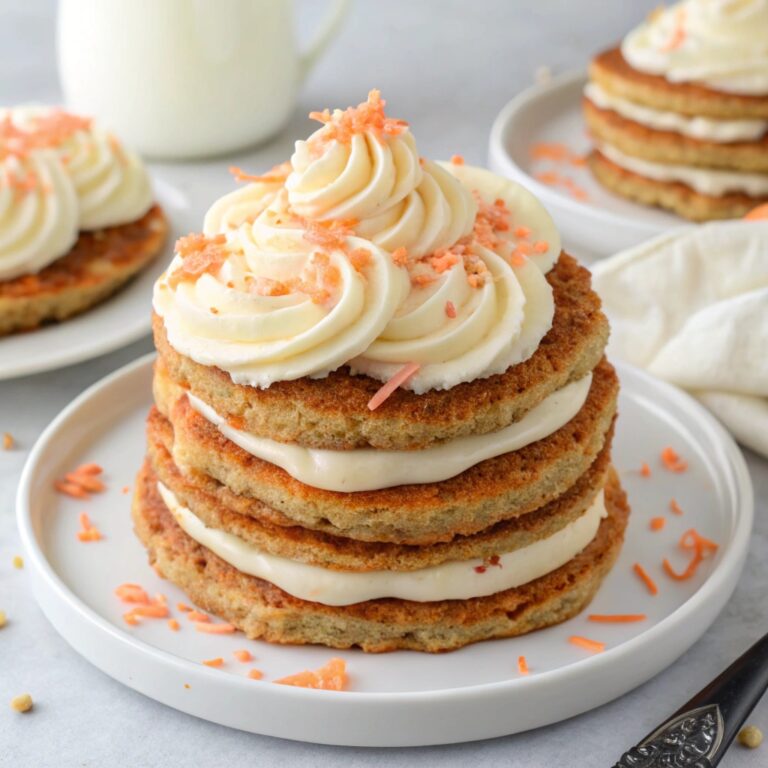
<point x="691" y="307"/>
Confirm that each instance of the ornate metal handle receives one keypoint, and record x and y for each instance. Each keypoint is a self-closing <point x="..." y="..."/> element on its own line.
<point x="700" y="732"/>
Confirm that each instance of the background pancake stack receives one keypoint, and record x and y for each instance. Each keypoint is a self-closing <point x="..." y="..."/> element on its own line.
<point x="679" y="113"/>
<point x="471" y="496"/>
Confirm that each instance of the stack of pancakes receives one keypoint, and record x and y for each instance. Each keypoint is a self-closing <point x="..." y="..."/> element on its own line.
<point x="683" y="146"/>
<point x="497" y="506"/>
<point x="306" y="511"/>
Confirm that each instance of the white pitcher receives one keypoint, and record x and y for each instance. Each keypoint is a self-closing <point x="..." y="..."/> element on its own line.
<point x="186" y="78"/>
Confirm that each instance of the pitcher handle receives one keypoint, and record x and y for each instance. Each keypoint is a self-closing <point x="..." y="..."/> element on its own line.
<point x="327" y="31"/>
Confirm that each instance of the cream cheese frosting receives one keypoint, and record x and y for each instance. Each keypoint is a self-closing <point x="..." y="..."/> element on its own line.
<point x="707" y="181"/>
<point x="466" y="296"/>
<point x="38" y="212"/>
<point x="455" y="580"/>
<point x="369" y="469"/>
<point x="111" y="182"/>
<point x="700" y="128"/>
<point x="722" y="44"/>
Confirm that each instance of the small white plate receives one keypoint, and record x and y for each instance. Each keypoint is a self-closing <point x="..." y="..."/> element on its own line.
<point x="401" y="698"/>
<point x="116" y="322"/>
<point x="603" y="223"/>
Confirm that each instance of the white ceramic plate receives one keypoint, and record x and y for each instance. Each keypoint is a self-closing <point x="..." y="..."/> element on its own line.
<point x="401" y="698"/>
<point x="118" y="321"/>
<point x="602" y="224"/>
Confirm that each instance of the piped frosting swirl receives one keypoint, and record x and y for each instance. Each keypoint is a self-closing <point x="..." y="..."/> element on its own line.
<point x="436" y="266"/>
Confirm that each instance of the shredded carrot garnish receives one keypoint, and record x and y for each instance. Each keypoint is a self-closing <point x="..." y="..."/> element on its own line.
<point x="70" y="489"/>
<point x="457" y="159"/>
<point x="279" y="173"/>
<point x="675" y="507"/>
<point x="243" y="656"/>
<point x="8" y="441"/>
<point x="199" y="254"/>
<point x="174" y="625"/>
<point x="255" y="674"/>
<point x="217" y="662"/>
<point x="450" y="309"/>
<point x="616" y="618"/>
<point x="360" y="258"/>
<point x="522" y="665"/>
<point x="87" y="532"/>
<point x="522" y="232"/>
<point x="673" y="462"/>
<point x="701" y="547"/>
<point x="642" y="574"/>
<point x="183" y="607"/>
<point x="556" y="152"/>
<point x="125" y="489"/>
<point x="132" y="593"/>
<point x="400" y="256"/>
<point x="130" y="619"/>
<point x="86" y="482"/>
<point x="645" y="470"/>
<point x="152" y="611"/>
<point x="197" y="616"/>
<point x="678" y="33"/>
<point x="330" y="235"/>
<point x="541" y="246"/>
<point x="757" y="214"/>
<point x="657" y="523"/>
<point x="594" y="646"/>
<point x="331" y="677"/>
<point x="397" y="380"/>
<point x="89" y="469"/>
<point x="214" y="629"/>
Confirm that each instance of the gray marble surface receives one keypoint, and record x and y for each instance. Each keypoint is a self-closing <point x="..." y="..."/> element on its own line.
<point x="447" y="66"/>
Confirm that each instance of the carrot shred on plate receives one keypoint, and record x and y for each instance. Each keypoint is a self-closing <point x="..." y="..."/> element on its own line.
<point x="672" y="461"/>
<point x="197" y="616"/>
<point x="700" y="546"/>
<point x="174" y="625"/>
<point x="331" y="677"/>
<point x="217" y="662"/>
<point x="616" y="618"/>
<point x="243" y="656"/>
<point x="399" y="378"/>
<point x="214" y="629"/>
<point x="522" y="665"/>
<point x="594" y="646"/>
<point x="132" y="593"/>
<point x="645" y="470"/>
<point x="255" y="674"/>
<point x="757" y="214"/>
<point x="642" y="574"/>
<point x="657" y="523"/>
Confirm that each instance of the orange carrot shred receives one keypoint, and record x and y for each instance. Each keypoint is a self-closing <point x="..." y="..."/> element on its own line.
<point x="183" y="607"/>
<point x="87" y="532"/>
<point x="126" y="489"/>
<point x="675" y="507"/>
<point x="595" y="646"/>
<point x="197" y="616"/>
<point x="541" y="246"/>
<point x="450" y="309"/>
<point x="699" y="545"/>
<point x="70" y="489"/>
<point x="214" y="629"/>
<point x="522" y="232"/>
<point x="174" y="625"/>
<point x="331" y="677"/>
<point x="645" y="578"/>
<point x="132" y="593"/>
<point x="616" y="618"/>
<point x="757" y="214"/>
<point x="522" y="665"/>
<point x="244" y="656"/>
<point x="217" y="662"/>
<point x="672" y="461"/>
<point x="86" y="482"/>
<point x="89" y="469"/>
<point x="645" y="470"/>
<point x="657" y="523"/>
<point x="255" y="674"/>
<point x="400" y="377"/>
<point x="457" y="159"/>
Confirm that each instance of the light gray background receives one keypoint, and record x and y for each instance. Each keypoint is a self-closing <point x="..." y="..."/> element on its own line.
<point x="448" y="67"/>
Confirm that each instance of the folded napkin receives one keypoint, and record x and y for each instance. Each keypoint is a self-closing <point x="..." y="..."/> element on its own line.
<point x="691" y="307"/>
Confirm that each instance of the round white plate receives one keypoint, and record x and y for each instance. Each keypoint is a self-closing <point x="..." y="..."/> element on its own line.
<point x="120" y="320"/>
<point x="603" y="223"/>
<point x="400" y="698"/>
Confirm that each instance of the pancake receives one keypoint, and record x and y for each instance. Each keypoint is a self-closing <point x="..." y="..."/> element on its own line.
<point x="611" y="71"/>
<point x="673" y="196"/>
<point x="638" y="140"/>
<point x="263" y="611"/>
<point x="497" y="489"/>
<point x="333" y="412"/>
<point x="322" y="549"/>
<point x="98" y="264"/>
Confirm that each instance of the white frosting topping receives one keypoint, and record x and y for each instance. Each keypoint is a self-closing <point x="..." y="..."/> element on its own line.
<point x="706" y="181"/>
<point x="701" y="128"/>
<point x="454" y="580"/>
<point x="111" y="182"/>
<point x="368" y="469"/>
<point x="720" y="43"/>
<point x="38" y="212"/>
<point x="474" y="246"/>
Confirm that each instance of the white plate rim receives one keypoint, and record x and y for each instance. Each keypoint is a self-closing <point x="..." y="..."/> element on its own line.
<point x="118" y="337"/>
<point x="723" y="576"/>
<point x="500" y="158"/>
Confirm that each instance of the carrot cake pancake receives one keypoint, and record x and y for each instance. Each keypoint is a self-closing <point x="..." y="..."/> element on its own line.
<point x="77" y="217"/>
<point x="383" y="416"/>
<point x="679" y="111"/>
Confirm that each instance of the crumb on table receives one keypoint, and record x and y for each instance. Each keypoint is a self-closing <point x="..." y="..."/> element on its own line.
<point x="750" y="736"/>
